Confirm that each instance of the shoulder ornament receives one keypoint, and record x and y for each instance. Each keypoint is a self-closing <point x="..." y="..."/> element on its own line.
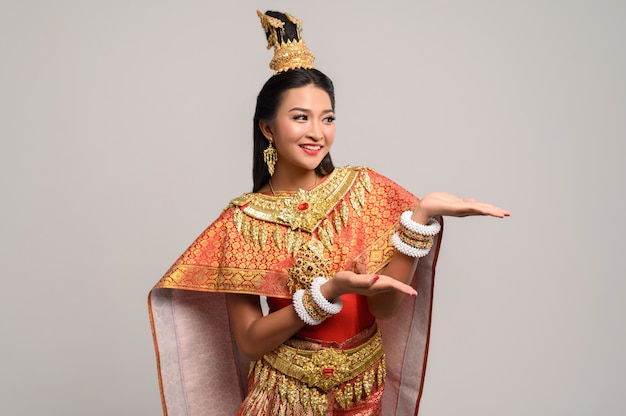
<point x="323" y="210"/>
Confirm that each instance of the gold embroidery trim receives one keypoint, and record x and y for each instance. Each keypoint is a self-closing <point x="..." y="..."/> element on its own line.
<point x="305" y="210"/>
<point x="259" y="218"/>
<point x="329" y="367"/>
<point x="311" y="399"/>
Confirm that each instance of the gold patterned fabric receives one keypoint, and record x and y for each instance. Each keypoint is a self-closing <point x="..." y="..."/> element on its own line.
<point x="348" y="219"/>
<point x="306" y="377"/>
<point x="265" y="245"/>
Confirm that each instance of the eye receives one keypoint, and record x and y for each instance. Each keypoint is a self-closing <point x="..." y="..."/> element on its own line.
<point x="300" y="117"/>
<point x="329" y="119"/>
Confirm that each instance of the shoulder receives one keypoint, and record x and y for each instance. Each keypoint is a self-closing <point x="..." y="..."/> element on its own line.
<point x="382" y="187"/>
<point x="361" y="168"/>
<point x="375" y="177"/>
<point x="362" y="172"/>
<point x="240" y="200"/>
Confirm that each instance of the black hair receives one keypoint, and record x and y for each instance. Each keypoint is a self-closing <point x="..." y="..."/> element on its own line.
<point x="269" y="100"/>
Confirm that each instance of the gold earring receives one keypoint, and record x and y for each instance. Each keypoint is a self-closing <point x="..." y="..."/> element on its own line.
<point x="269" y="157"/>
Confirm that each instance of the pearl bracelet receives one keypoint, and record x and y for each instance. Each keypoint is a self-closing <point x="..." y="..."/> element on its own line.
<point x="414" y="239"/>
<point x="312" y="308"/>
<point x="432" y="228"/>
<point x="322" y="302"/>
<point x="301" y="311"/>
<point x="407" y="249"/>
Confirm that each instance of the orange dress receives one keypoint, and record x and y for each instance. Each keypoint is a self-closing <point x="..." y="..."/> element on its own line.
<point x="251" y="247"/>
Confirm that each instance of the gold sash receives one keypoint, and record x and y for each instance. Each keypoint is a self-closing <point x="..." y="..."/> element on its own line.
<point x="328" y="367"/>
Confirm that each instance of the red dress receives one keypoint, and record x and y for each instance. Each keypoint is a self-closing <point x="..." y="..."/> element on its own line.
<point x="249" y="249"/>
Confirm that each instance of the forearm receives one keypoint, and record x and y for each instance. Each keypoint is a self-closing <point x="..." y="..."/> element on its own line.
<point x="385" y="305"/>
<point x="268" y="332"/>
<point x="257" y="335"/>
<point x="402" y="268"/>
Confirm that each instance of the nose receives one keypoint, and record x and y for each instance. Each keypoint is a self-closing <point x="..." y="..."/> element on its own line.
<point x="315" y="132"/>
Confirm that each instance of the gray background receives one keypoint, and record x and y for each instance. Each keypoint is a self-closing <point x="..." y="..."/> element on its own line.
<point x="125" y="128"/>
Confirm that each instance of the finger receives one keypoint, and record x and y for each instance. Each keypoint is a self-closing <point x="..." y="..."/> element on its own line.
<point x="390" y="283"/>
<point x="482" y="208"/>
<point x="365" y="281"/>
<point x="369" y="280"/>
<point x="408" y="290"/>
<point x="499" y="212"/>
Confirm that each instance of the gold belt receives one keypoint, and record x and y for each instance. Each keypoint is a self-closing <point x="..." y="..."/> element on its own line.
<point x="328" y="367"/>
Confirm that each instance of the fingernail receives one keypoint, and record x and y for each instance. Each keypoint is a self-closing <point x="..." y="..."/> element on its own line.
<point x="376" y="277"/>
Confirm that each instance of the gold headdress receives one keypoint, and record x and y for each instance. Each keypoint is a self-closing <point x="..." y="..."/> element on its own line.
<point x="288" y="53"/>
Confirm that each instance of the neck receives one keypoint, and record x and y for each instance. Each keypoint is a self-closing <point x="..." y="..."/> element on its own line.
<point x="291" y="183"/>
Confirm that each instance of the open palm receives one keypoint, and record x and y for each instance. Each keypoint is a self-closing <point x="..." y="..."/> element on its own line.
<point x="442" y="203"/>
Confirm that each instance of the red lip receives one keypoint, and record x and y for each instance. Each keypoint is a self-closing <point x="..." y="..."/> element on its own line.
<point x="311" y="151"/>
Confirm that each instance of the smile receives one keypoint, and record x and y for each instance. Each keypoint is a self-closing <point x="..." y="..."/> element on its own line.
<point x="311" y="147"/>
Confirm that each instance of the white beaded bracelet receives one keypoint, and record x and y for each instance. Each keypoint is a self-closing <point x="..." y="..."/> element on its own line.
<point x="299" y="307"/>
<point x="432" y="228"/>
<point x="322" y="302"/>
<point x="404" y="248"/>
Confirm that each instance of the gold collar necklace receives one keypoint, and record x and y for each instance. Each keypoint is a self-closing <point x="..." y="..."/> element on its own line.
<point x="305" y="210"/>
<point x="274" y="193"/>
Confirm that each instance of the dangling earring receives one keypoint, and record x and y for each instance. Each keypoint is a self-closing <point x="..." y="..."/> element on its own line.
<point x="269" y="157"/>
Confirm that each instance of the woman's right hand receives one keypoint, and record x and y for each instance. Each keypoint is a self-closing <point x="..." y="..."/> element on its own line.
<point x="345" y="282"/>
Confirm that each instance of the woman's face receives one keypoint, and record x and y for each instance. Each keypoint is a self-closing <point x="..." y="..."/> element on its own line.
<point x="304" y="129"/>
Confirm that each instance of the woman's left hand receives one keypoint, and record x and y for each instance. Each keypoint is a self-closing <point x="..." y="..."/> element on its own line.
<point x="441" y="203"/>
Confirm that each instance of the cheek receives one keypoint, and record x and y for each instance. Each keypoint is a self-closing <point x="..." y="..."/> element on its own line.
<point x="290" y="131"/>
<point x="330" y="135"/>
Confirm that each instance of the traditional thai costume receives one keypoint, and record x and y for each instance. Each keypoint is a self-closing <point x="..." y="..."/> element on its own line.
<point x="267" y="245"/>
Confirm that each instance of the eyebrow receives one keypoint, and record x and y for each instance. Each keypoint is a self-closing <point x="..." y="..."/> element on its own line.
<point x="304" y="110"/>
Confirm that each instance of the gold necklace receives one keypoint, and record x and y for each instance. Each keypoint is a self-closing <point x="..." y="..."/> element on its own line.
<point x="269" y="181"/>
<point x="304" y="210"/>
